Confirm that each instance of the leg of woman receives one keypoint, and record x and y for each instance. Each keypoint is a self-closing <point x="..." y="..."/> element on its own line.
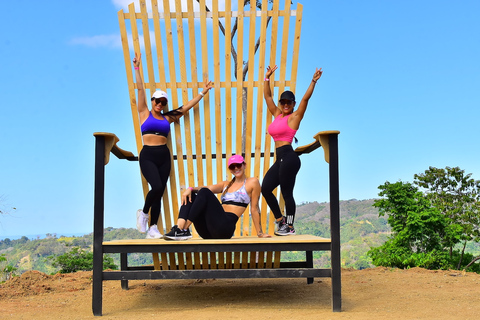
<point x="155" y="165"/>
<point x="209" y="218"/>
<point x="181" y="230"/>
<point x="164" y="165"/>
<point x="289" y="167"/>
<point x="270" y="182"/>
<point x="185" y="208"/>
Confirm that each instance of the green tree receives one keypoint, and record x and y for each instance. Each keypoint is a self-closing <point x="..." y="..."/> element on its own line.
<point x="456" y="195"/>
<point x="6" y="271"/>
<point x="418" y="229"/>
<point x="79" y="259"/>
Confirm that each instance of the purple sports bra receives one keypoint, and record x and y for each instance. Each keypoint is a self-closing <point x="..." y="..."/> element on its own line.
<point x="156" y="126"/>
<point x="279" y="129"/>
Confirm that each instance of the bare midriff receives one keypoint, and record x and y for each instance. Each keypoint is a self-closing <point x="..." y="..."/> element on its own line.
<point x="279" y="144"/>
<point x="234" y="209"/>
<point x="154" y="140"/>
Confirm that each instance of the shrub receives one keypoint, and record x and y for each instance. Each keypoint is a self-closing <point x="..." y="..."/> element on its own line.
<point x="79" y="259"/>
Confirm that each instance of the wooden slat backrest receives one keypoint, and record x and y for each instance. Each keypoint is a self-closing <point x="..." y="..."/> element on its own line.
<point x="183" y="46"/>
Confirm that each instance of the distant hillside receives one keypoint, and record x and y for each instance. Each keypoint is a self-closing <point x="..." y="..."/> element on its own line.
<point x="361" y="228"/>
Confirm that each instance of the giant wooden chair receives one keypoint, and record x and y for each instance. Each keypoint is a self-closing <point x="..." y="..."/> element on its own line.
<point x="180" y="48"/>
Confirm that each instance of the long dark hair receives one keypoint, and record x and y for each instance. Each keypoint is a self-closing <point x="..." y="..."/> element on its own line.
<point x="174" y="114"/>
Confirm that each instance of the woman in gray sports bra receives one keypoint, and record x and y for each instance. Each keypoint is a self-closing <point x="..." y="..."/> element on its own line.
<point x="215" y="220"/>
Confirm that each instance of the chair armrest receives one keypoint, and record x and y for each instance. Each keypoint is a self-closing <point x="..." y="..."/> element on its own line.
<point x="111" y="146"/>
<point x="321" y="140"/>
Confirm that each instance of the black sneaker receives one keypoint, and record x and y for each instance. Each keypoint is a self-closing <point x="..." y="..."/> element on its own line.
<point x="281" y="227"/>
<point x="178" y="234"/>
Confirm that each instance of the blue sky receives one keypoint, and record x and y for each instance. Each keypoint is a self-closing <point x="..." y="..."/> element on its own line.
<point x="401" y="82"/>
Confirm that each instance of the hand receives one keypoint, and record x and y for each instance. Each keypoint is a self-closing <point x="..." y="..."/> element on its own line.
<point x="264" y="235"/>
<point x="270" y="70"/>
<point x="187" y="194"/>
<point x="207" y="85"/>
<point x="136" y="60"/>
<point x="318" y="73"/>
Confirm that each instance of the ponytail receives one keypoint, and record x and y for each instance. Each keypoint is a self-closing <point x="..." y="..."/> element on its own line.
<point x="174" y="114"/>
<point x="228" y="186"/>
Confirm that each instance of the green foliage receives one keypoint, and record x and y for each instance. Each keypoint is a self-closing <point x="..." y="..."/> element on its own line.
<point x="418" y="229"/>
<point x="360" y="229"/>
<point x="393" y="253"/>
<point x="7" y="271"/>
<point x="462" y="262"/>
<point x="429" y="224"/>
<point x="25" y="254"/>
<point x="78" y="259"/>
<point x="457" y="196"/>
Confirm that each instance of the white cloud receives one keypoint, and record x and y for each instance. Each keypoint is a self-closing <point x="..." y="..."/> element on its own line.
<point x="123" y="4"/>
<point x="109" y="41"/>
<point x="114" y="40"/>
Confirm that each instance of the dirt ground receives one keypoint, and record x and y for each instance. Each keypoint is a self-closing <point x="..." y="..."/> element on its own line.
<point x="378" y="293"/>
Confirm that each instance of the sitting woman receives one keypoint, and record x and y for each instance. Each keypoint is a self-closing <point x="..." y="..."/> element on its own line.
<point x="215" y="220"/>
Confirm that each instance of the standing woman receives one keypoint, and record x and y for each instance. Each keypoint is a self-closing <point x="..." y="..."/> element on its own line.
<point x="155" y="157"/>
<point x="215" y="220"/>
<point x="284" y="171"/>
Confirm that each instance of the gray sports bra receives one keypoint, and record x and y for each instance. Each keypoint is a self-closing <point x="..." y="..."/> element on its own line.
<point x="237" y="198"/>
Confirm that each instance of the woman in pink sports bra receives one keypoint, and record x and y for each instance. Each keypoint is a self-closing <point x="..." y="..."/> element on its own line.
<point x="284" y="171"/>
<point x="154" y="158"/>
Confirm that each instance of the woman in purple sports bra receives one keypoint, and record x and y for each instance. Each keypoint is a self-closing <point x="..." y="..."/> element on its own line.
<point x="215" y="220"/>
<point x="284" y="171"/>
<point x="154" y="158"/>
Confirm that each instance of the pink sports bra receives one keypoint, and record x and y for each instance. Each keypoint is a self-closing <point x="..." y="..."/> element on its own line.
<point x="280" y="131"/>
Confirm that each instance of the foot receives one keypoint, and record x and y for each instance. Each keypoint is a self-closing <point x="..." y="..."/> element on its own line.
<point x="281" y="227"/>
<point x="290" y="231"/>
<point x="142" y="221"/>
<point x="285" y="230"/>
<point x="153" y="233"/>
<point x="178" y="234"/>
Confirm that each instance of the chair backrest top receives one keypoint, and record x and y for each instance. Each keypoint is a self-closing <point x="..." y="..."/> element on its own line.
<point x="183" y="46"/>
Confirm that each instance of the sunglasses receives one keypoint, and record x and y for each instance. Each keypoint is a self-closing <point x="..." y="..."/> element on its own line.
<point x="161" y="101"/>
<point x="235" y="166"/>
<point x="289" y="102"/>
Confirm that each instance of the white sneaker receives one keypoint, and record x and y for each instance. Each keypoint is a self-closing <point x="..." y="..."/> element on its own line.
<point x="153" y="233"/>
<point x="142" y="221"/>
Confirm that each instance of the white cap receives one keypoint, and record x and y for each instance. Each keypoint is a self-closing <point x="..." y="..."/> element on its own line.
<point x="159" y="94"/>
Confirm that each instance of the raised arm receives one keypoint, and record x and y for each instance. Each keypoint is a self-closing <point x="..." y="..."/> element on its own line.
<point x="267" y="92"/>
<point x="302" y="107"/>
<point x="142" y="99"/>
<point x="190" y="104"/>
<point x="254" y="207"/>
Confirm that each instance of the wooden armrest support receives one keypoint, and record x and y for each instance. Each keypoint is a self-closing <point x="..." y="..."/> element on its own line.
<point x="321" y="140"/>
<point x="111" y="146"/>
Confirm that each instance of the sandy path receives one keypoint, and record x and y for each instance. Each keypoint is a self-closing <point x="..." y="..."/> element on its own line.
<point x="378" y="293"/>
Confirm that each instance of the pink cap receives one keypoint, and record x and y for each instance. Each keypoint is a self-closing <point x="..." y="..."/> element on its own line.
<point x="235" y="159"/>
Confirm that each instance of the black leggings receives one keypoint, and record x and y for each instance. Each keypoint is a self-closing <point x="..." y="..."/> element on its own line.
<point x="208" y="216"/>
<point x="155" y="164"/>
<point x="283" y="172"/>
